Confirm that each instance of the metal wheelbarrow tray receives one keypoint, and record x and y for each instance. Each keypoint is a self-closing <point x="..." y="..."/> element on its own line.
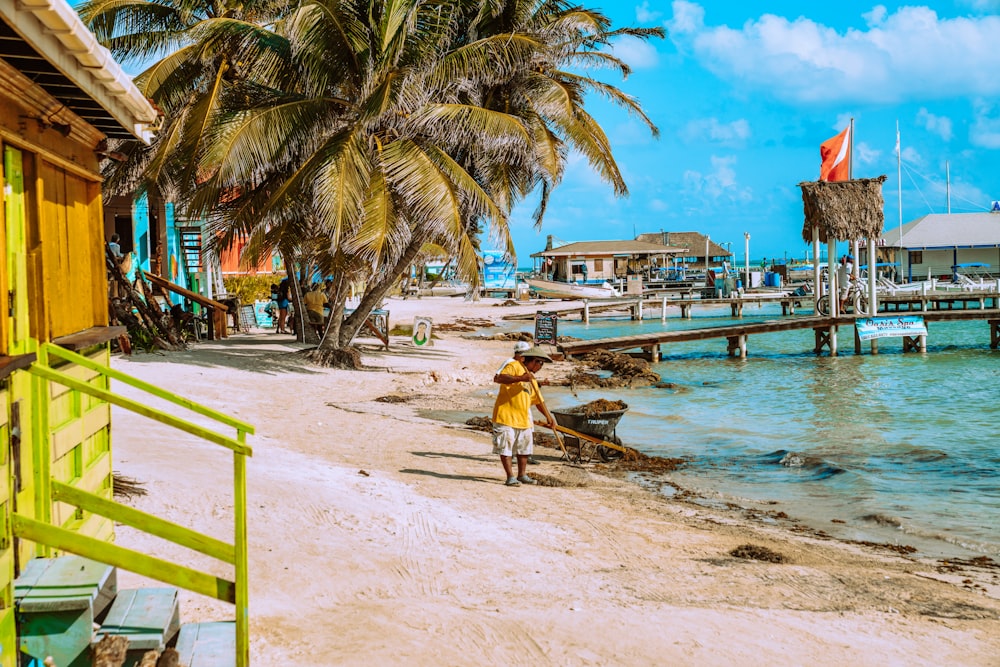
<point x="599" y="425"/>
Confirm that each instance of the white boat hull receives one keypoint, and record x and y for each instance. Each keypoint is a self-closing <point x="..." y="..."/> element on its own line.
<point x="558" y="290"/>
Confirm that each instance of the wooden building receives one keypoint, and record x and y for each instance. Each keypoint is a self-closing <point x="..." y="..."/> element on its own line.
<point x="699" y="253"/>
<point x="62" y="97"/>
<point x="599" y="261"/>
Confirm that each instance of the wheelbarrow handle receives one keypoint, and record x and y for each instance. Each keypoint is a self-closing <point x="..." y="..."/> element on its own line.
<point x="559" y="439"/>
<point x="584" y="436"/>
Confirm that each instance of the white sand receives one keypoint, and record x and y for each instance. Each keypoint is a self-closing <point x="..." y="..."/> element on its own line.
<point x="379" y="536"/>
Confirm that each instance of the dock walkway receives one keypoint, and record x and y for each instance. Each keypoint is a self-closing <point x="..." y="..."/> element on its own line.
<point x="638" y="307"/>
<point x="736" y="335"/>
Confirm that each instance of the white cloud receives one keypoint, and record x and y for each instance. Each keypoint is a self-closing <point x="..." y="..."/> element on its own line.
<point x="644" y="15"/>
<point x="865" y="154"/>
<point x="911" y="156"/>
<point x="940" y="125"/>
<point x="712" y="130"/>
<point x="911" y="52"/>
<point x="985" y="130"/>
<point x="721" y="183"/>
<point x="637" y="53"/>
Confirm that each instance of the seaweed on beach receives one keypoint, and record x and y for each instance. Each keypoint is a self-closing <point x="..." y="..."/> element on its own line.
<point x="392" y="398"/>
<point x="756" y="552"/>
<point x="480" y="423"/>
<point x="636" y="461"/>
<point x="626" y="371"/>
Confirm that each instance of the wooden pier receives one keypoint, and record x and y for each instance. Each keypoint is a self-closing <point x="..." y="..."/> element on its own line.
<point x="639" y="308"/>
<point x="736" y="336"/>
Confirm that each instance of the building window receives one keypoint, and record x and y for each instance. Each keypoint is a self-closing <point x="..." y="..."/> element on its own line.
<point x="598" y="265"/>
<point x="917" y="257"/>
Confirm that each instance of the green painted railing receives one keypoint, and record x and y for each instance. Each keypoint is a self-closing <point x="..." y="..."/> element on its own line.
<point x="235" y="554"/>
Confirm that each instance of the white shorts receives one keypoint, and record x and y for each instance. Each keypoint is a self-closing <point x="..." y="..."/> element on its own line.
<point x="510" y="441"/>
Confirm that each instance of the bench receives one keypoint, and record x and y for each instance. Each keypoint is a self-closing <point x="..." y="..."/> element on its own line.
<point x="148" y="617"/>
<point x="57" y="600"/>
<point x="207" y="644"/>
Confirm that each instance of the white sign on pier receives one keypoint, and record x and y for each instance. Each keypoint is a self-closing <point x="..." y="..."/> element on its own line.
<point x="889" y="327"/>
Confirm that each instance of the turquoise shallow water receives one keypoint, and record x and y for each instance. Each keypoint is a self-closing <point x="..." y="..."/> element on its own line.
<point x="900" y="448"/>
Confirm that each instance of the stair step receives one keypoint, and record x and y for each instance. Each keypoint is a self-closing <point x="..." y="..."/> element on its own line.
<point x="57" y="600"/>
<point x="148" y="617"/>
<point x="207" y="644"/>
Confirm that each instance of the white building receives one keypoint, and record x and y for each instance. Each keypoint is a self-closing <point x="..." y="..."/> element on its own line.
<point x="938" y="244"/>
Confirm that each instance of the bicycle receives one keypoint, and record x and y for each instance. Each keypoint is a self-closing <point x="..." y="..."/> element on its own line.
<point x="856" y="298"/>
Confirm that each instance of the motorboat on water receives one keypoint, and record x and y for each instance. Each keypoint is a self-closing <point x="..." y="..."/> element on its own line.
<point x="561" y="290"/>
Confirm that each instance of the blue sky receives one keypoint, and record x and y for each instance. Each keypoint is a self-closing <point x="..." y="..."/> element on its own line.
<point x="744" y="93"/>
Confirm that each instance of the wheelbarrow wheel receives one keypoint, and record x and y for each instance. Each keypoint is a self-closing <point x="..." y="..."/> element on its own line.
<point x="608" y="453"/>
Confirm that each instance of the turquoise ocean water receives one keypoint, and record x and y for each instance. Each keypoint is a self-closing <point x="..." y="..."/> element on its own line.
<point x="900" y="448"/>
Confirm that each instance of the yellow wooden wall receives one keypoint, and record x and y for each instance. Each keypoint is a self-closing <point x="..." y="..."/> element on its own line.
<point x="70" y="252"/>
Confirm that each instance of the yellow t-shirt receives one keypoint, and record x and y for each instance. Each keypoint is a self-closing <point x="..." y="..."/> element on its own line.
<point x="315" y="300"/>
<point x="514" y="400"/>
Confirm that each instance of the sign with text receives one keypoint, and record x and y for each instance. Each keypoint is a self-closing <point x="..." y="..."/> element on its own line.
<point x="546" y="325"/>
<point x="888" y="327"/>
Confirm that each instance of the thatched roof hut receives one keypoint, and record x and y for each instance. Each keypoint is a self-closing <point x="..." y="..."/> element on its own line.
<point x="843" y="210"/>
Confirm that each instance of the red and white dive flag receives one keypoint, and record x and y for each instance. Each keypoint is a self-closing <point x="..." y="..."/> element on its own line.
<point x="836" y="156"/>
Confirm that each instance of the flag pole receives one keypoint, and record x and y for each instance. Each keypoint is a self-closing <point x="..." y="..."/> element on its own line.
<point x="850" y="152"/>
<point x="899" y="178"/>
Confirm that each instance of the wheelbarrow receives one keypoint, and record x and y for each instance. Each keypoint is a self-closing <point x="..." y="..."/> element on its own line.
<point x="592" y="429"/>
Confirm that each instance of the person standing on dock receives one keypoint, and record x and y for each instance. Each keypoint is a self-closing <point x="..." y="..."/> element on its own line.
<point x="513" y="429"/>
<point x="844" y="274"/>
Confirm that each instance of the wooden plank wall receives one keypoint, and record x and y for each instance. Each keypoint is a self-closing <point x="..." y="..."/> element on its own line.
<point x="71" y="232"/>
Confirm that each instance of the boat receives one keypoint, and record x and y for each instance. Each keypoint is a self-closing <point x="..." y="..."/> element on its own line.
<point x="559" y="290"/>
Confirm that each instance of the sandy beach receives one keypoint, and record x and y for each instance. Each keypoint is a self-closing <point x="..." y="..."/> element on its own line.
<point x="381" y="532"/>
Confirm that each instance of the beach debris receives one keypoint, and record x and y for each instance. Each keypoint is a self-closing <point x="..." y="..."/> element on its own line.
<point x="484" y="424"/>
<point x="636" y="461"/>
<point x="626" y="371"/>
<point x="757" y="552"/>
<point x="957" y="564"/>
<point x="513" y="335"/>
<point x="466" y="324"/>
<point x="549" y="480"/>
<point x="364" y="473"/>
<point x="508" y="302"/>
<point x="393" y="398"/>
<point x="126" y="487"/>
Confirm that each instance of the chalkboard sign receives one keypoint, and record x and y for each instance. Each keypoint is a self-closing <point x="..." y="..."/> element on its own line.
<point x="546" y="327"/>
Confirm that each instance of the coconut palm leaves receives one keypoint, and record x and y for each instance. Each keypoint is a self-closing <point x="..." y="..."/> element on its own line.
<point x="363" y="130"/>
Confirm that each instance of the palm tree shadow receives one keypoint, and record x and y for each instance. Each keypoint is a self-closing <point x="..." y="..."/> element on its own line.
<point x="443" y="455"/>
<point x="463" y="478"/>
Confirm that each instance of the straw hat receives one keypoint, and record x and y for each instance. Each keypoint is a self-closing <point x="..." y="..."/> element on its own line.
<point x="538" y="353"/>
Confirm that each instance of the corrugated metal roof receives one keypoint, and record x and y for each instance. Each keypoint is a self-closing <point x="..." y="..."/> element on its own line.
<point x="47" y="42"/>
<point x="590" y="248"/>
<point x="947" y="230"/>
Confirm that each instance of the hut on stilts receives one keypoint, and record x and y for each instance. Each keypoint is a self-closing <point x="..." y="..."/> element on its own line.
<point x="62" y="97"/>
<point x="852" y="211"/>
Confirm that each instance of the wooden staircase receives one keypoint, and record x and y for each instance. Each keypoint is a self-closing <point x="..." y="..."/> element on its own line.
<point x="68" y="606"/>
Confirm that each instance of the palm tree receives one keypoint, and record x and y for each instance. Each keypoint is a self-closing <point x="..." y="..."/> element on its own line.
<point x="357" y="132"/>
<point x="398" y="128"/>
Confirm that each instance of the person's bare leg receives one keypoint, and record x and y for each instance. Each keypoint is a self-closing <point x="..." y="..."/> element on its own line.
<point x="522" y="464"/>
<point x="505" y="462"/>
